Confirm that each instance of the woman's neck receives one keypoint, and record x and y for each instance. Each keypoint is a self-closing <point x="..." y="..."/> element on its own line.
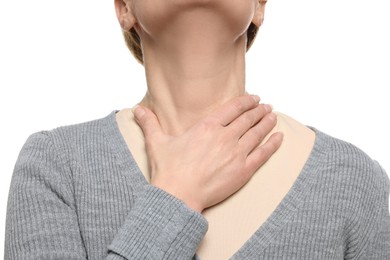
<point x="191" y="70"/>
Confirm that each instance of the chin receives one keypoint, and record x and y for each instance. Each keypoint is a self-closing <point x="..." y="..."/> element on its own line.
<point x="229" y="15"/>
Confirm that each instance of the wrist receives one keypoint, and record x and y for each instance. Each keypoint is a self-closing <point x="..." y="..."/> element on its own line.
<point x="190" y="202"/>
<point x="194" y="206"/>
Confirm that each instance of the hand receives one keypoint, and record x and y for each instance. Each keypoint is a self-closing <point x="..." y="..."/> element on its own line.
<point x="216" y="157"/>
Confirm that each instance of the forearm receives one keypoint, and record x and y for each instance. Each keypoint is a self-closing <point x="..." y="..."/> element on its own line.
<point x="159" y="226"/>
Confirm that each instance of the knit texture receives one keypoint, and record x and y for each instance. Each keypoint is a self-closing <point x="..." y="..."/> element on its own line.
<point x="77" y="193"/>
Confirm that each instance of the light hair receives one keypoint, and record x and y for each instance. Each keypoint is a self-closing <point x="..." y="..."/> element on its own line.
<point x="133" y="41"/>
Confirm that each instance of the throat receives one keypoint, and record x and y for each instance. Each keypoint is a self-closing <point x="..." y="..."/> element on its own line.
<point x="183" y="87"/>
<point x="193" y="67"/>
<point x="181" y="99"/>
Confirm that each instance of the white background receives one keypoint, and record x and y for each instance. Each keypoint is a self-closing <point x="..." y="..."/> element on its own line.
<point x="326" y="63"/>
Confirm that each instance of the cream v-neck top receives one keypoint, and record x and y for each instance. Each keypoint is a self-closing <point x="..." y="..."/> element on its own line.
<point x="233" y="221"/>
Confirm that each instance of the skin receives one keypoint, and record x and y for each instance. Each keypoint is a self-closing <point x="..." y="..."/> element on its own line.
<point x="201" y="130"/>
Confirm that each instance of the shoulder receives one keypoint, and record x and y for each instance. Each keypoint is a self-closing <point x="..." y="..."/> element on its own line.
<point x="90" y="126"/>
<point x="353" y="186"/>
<point x="69" y="141"/>
<point x="346" y="169"/>
<point x="352" y="163"/>
<point x="360" y="190"/>
<point x="356" y="181"/>
<point x="340" y="159"/>
<point x="80" y="131"/>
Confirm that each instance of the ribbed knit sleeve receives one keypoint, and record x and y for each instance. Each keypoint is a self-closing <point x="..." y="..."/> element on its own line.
<point x="159" y="226"/>
<point x="42" y="221"/>
<point x="378" y="246"/>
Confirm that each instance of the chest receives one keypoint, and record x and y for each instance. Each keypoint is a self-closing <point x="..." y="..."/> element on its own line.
<point x="233" y="221"/>
<point x="103" y="206"/>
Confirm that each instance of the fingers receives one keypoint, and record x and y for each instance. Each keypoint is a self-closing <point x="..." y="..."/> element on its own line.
<point x="245" y="121"/>
<point x="254" y="136"/>
<point x="234" y="108"/>
<point x="148" y="121"/>
<point x="262" y="153"/>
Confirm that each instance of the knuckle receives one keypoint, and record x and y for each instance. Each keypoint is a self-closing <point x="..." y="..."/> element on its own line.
<point x="245" y="120"/>
<point x="208" y="124"/>
<point x="261" y="110"/>
<point x="259" y="133"/>
<point x="258" y="138"/>
<point x="224" y="138"/>
<point x="242" y="174"/>
<point x="237" y="154"/>
<point x="148" y="123"/>
<point x="251" y="118"/>
<point x="272" y="118"/>
<point x="243" y="177"/>
<point x="262" y="155"/>
<point x="239" y="106"/>
<point x="150" y="141"/>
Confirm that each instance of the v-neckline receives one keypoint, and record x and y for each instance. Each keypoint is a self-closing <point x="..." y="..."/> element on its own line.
<point x="284" y="211"/>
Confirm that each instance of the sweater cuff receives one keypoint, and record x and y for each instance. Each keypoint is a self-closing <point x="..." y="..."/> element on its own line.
<point x="159" y="226"/>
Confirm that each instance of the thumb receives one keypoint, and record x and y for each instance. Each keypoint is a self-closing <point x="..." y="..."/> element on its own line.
<point x="147" y="120"/>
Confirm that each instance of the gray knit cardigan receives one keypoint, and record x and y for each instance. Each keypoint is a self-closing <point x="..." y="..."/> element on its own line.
<point x="77" y="193"/>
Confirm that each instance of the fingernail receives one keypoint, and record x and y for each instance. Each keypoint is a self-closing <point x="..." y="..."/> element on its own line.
<point x="280" y="135"/>
<point x="256" y="98"/>
<point x="272" y="116"/>
<point x="139" y="112"/>
<point x="268" y="108"/>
